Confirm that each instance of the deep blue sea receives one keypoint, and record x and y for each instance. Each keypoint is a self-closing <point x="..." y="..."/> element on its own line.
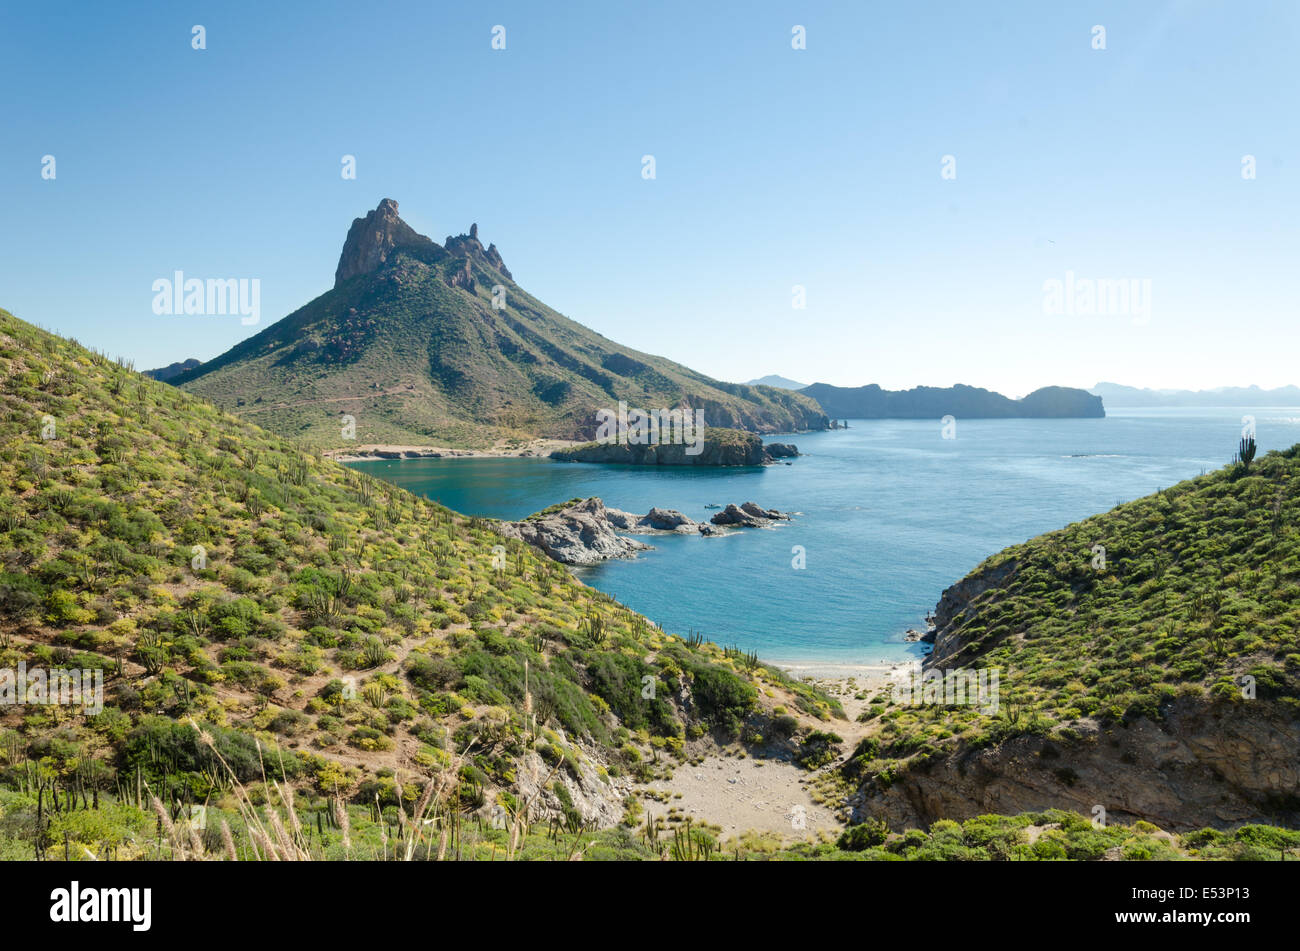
<point x="890" y="513"/>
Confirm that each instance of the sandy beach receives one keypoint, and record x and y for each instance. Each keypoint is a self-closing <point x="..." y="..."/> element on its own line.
<point x="374" y="451"/>
<point x="773" y="797"/>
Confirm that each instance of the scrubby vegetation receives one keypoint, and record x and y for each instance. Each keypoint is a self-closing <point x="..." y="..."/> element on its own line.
<point x="1191" y="594"/>
<point x="323" y="630"/>
<point x="317" y="664"/>
<point x="1053" y="835"/>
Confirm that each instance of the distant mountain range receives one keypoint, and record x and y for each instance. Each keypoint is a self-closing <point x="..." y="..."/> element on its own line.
<point x="784" y="382"/>
<point x="428" y="344"/>
<point x="969" y="402"/>
<point x="1117" y="395"/>
<point x="173" y="370"/>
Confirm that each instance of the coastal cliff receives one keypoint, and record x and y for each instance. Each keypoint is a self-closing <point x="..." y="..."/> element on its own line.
<point x="721" y="447"/>
<point x="1147" y="666"/>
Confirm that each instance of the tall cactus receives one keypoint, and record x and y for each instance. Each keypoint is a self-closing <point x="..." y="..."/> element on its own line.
<point x="1246" y="452"/>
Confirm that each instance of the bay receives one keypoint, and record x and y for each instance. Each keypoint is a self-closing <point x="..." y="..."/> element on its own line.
<point x="889" y="514"/>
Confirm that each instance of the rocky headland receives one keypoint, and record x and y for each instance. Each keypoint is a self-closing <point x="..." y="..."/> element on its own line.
<point x="721" y="447"/>
<point x="584" y="532"/>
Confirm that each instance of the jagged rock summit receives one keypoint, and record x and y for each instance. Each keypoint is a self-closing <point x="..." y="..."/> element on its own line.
<point x="427" y="346"/>
<point x="372" y="239"/>
<point x="468" y="245"/>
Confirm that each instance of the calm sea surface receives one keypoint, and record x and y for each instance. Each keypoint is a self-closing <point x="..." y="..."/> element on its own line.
<point x="890" y="514"/>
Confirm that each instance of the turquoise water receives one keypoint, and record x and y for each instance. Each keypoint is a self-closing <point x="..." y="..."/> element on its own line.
<point x="890" y="515"/>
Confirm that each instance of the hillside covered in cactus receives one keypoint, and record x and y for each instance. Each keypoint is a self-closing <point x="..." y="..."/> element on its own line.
<point x="263" y="615"/>
<point x="1149" y="663"/>
<point x="301" y="662"/>
<point x="427" y="344"/>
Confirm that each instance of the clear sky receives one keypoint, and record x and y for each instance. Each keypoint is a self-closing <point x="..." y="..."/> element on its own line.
<point x="774" y="167"/>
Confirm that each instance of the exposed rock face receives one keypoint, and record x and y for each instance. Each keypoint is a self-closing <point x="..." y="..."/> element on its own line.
<point x="474" y="374"/>
<point x="587" y="533"/>
<point x="494" y="258"/>
<point x="462" y="277"/>
<point x="1205" y="764"/>
<point x="732" y="515"/>
<point x="371" y="239"/>
<point x="598" y="799"/>
<point x="656" y="520"/>
<point x="781" y="450"/>
<point x="748" y="515"/>
<point x="720" y="448"/>
<point x="471" y="248"/>
<point x="669" y="520"/>
<point x="580" y="534"/>
<point x="953" y="604"/>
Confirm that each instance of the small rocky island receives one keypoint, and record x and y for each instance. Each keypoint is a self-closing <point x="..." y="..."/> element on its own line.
<point x="583" y="532"/>
<point x="721" y="447"/>
<point x="748" y="515"/>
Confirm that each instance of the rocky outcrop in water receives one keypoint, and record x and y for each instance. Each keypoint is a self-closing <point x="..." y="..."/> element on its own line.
<point x="748" y="515"/>
<point x="721" y="447"/>
<point x="585" y="532"/>
<point x="656" y="520"/>
<point x="578" y="534"/>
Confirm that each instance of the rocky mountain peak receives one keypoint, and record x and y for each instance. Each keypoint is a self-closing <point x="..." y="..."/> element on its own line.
<point x="371" y="239"/>
<point x="469" y="246"/>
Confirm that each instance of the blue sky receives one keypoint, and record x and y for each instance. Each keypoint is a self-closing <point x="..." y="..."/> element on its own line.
<point x="775" y="167"/>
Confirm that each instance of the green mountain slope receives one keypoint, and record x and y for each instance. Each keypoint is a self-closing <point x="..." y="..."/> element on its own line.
<point x="410" y="344"/>
<point x="372" y="642"/>
<point x="333" y="668"/>
<point x="1149" y="663"/>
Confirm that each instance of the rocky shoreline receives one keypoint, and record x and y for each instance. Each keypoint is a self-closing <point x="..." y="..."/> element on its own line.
<point x="537" y="448"/>
<point x="585" y="532"/>
<point x="719" y="447"/>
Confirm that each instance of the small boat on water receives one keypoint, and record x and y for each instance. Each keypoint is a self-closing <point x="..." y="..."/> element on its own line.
<point x="712" y="506"/>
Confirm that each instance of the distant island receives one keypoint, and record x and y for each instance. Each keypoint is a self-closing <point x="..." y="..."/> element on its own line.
<point x="1118" y="395"/>
<point x="173" y="370"/>
<point x="970" y="402"/>
<point x="781" y="382"/>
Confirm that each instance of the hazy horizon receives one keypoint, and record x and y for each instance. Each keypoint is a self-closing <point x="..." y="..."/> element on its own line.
<point x="828" y="168"/>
